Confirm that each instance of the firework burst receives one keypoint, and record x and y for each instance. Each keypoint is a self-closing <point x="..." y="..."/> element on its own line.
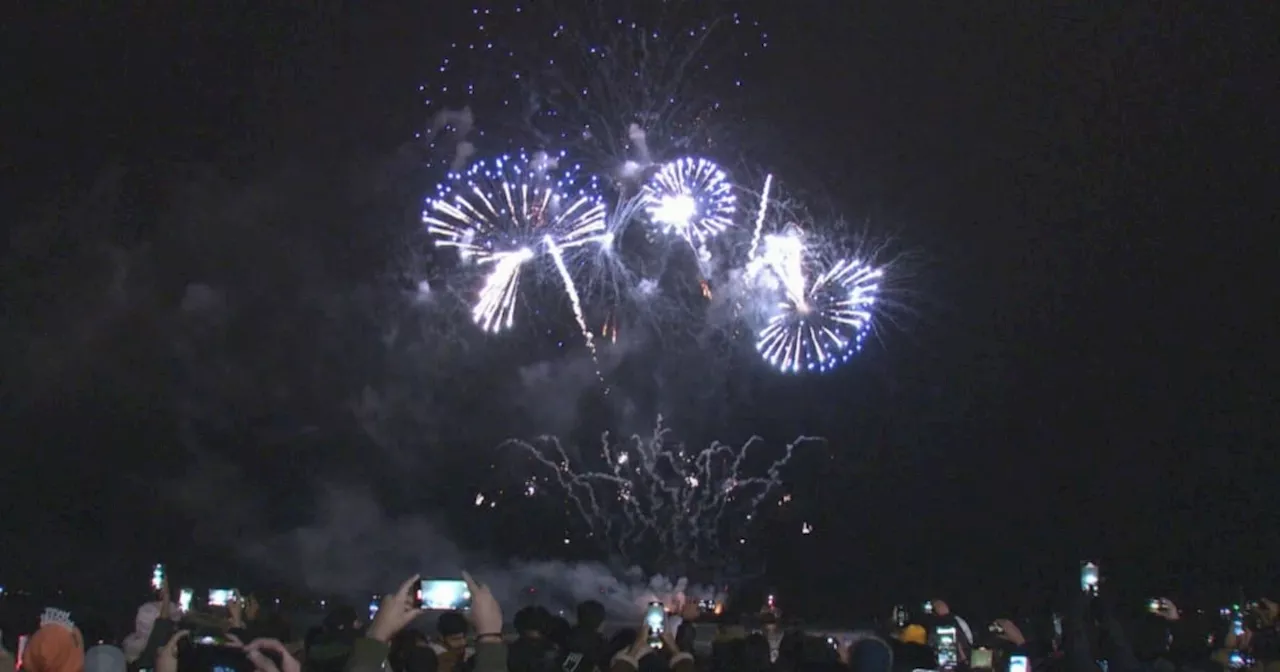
<point x="504" y="215"/>
<point x="691" y="506"/>
<point x="692" y="198"/>
<point x="824" y="309"/>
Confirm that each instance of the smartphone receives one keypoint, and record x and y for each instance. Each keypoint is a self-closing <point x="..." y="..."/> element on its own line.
<point x="900" y="616"/>
<point x="444" y="594"/>
<point x="157" y="576"/>
<point x="927" y="607"/>
<point x="1057" y="625"/>
<point x="655" y="617"/>
<point x="184" y="599"/>
<point x="209" y="638"/>
<point x="373" y="608"/>
<point x="948" y="649"/>
<point x="1238" y="661"/>
<point x="833" y="643"/>
<point x="1237" y="625"/>
<point x="1089" y="577"/>
<point x="221" y="597"/>
<point x="1019" y="664"/>
<point x="981" y="659"/>
<point x="571" y="662"/>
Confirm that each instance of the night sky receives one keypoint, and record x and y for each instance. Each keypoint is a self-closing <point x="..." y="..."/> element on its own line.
<point x="1081" y="367"/>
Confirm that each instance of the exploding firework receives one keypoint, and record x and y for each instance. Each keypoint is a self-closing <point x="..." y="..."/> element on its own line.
<point x="692" y="198"/>
<point x="823" y="310"/>
<point x="655" y="496"/>
<point x="506" y="214"/>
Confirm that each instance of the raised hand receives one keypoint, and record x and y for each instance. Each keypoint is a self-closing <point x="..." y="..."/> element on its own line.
<point x="167" y="656"/>
<point x="486" y="613"/>
<point x="397" y="611"/>
<point x="1010" y="632"/>
<point x="254" y="651"/>
<point x="1166" y="609"/>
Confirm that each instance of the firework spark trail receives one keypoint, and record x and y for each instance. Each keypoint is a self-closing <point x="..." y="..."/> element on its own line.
<point x="495" y="308"/>
<point x="764" y="208"/>
<point x="657" y="496"/>
<point x="574" y="300"/>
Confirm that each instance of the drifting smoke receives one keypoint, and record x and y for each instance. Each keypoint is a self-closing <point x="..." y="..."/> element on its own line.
<point x="354" y="549"/>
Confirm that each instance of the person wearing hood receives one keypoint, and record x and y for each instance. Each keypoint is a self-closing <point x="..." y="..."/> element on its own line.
<point x="153" y="625"/>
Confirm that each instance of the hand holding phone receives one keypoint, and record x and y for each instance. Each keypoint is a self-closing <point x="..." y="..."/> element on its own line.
<point x="655" y="619"/>
<point x="157" y="576"/>
<point x="1019" y="664"/>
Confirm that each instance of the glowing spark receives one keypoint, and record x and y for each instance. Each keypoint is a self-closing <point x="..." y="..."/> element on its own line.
<point x="574" y="300"/>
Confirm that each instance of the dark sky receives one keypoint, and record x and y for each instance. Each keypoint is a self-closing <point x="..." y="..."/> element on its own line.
<point x="1085" y="369"/>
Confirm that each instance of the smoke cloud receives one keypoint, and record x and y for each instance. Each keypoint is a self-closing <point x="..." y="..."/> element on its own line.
<point x="354" y="548"/>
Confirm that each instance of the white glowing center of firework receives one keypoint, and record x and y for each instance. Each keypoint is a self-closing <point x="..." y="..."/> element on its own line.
<point x="692" y="198"/>
<point x="675" y="211"/>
